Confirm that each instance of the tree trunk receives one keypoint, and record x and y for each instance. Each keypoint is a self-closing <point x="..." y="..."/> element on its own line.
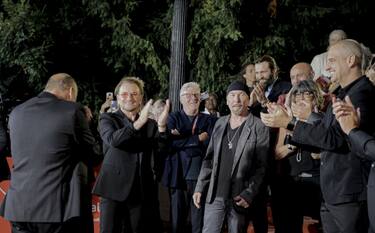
<point x="178" y="42"/>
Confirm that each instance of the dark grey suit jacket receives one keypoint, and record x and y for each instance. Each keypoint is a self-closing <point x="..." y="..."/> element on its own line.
<point x="46" y="135"/>
<point x="364" y="145"/>
<point x="250" y="160"/>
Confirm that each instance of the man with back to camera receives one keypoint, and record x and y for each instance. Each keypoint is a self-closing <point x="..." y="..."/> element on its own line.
<point x="4" y="169"/>
<point x="49" y="137"/>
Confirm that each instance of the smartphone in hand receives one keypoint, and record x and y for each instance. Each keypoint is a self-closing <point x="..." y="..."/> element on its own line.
<point x="109" y="95"/>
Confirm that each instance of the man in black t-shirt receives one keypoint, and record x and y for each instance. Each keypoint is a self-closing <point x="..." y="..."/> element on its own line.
<point x="234" y="166"/>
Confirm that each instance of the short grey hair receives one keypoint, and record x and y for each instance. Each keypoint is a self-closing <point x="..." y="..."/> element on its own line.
<point x="188" y="85"/>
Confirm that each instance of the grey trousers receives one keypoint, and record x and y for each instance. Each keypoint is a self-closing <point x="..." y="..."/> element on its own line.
<point x="216" y="213"/>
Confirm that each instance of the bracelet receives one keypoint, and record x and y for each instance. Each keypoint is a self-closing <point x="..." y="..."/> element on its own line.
<point x="292" y="123"/>
<point x="162" y="126"/>
<point x="264" y="103"/>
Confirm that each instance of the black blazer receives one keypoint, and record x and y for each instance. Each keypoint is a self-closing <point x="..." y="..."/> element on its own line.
<point x="343" y="175"/>
<point x="279" y="87"/>
<point x="364" y="145"/>
<point x="127" y="156"/>
<point x="4" y="169"/>
<point x="46" y="134"/>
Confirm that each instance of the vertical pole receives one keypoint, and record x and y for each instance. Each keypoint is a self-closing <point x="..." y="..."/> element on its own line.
<point x="178" y="58"/>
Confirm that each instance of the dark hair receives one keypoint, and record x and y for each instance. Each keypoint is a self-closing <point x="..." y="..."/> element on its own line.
<point x="271" y="62"/>
<point x="307" y="86"/>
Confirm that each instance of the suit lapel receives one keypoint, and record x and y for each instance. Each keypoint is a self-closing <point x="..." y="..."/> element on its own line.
<point x="219" y="136"/>
<point x="241" y="142"/>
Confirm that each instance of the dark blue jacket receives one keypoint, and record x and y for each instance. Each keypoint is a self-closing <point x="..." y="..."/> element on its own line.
<point x="185" y="147"/>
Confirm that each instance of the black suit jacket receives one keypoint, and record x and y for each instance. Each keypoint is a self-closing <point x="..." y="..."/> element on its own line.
<point x="127" y="156"/>
<point x="364" y="145"/>
<point x="4" y="169"/>
<point x="343" y="175"/>
<point x="46" y="134"/>
<point x="279" y="87"/>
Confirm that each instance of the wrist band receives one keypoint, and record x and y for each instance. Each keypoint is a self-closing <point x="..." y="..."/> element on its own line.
<point x="292" y="123"/>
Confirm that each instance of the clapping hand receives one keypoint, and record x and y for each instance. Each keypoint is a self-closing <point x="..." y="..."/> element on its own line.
<point x="162" y="120"/>
<point x="277" y="116"/>
<point x="346" y="114"/>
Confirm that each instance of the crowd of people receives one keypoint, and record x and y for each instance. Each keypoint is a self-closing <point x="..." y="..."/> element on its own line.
<point x="303" y="146"/>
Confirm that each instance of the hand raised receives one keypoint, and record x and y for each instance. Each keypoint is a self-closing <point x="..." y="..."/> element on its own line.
<point x="143" y="115"/>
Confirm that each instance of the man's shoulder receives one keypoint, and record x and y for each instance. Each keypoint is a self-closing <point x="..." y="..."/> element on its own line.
<point x="176" y="114"/>
<point x="320" y="56"/>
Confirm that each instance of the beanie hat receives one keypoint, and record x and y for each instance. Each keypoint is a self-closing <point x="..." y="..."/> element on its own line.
<point x="238" y="85"/>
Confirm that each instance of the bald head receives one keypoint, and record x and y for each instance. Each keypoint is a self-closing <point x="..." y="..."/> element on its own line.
<point x="336" y="36"/>
<point x="63" y="86"/>
<point x="344" y="62"/>
<point x="349" y="47"/>
<point x="301" y="71"/>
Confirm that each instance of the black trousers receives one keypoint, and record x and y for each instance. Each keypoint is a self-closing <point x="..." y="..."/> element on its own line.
<point x="181" y="203"/>
<point x="73" y="225"/>
<point x="31" y="227"/>
<point x="345" y="218"/>
<point x="119" y="217"/>
<point x="258" y="212"/>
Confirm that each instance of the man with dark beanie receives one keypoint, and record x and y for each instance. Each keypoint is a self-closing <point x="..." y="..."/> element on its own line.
<point x="234" y="165"/>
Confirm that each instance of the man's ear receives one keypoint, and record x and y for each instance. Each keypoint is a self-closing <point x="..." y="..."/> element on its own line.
<point x="72" y="95"/>
<point x="351" y="60"/>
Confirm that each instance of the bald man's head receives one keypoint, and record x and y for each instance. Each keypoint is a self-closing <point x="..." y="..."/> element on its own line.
<point x="301" y="71"/>
<point x="336" y="36"/>
<point x="63" y="86"/>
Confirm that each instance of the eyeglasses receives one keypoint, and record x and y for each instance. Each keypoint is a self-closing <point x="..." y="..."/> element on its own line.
<point x="307" y="95"/>
<point x="191" y="95"/>
<point x="127" y="94"/>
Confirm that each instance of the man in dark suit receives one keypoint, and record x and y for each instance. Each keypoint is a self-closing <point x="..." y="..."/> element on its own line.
<point x="234" y="166"/>
<point x="126" y="181"/>
<point x="269" y="85"/>
<point x="4" y="169"/>
<point x="48" y="134"/>
<point x="191" y="132"/>
<point x="363" y="144"/>
<point x="343" y="175"/>
<point x="269" y="88"/>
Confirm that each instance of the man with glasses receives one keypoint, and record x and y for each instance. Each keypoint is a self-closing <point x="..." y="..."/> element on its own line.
<point x="125" y="182"/>
<point x="191" y="131"/>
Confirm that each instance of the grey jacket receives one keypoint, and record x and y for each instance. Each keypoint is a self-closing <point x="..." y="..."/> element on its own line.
<point x="250" y="160"/>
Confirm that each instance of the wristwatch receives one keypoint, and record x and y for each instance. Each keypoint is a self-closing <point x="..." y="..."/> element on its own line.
<point x="292" y="123"/>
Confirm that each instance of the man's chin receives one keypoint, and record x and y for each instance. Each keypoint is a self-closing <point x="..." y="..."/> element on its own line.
<point x="129" y="108"/>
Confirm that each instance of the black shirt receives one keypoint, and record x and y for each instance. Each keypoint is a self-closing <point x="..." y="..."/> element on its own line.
<point x="230" y="136"/>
